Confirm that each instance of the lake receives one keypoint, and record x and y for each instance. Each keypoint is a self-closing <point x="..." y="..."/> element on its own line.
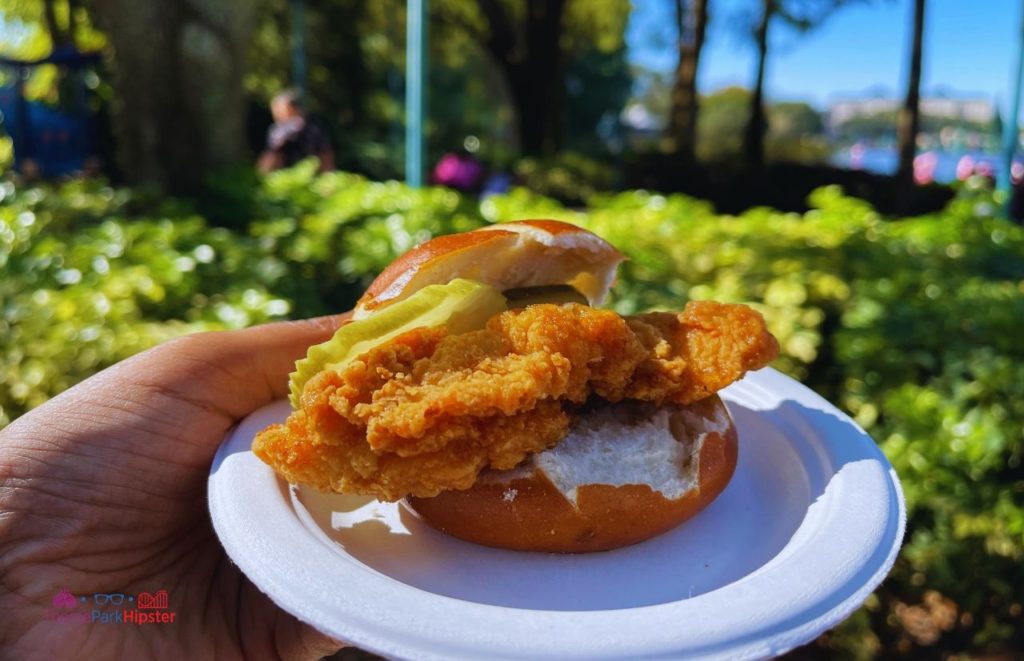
<point x="885" y="160"/>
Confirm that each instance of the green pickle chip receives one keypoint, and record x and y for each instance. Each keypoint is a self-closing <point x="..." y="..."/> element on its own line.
<point x="461" y="305"/>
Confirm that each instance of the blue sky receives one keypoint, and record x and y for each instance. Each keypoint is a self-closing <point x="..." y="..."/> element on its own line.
<point x="970" y="46"/>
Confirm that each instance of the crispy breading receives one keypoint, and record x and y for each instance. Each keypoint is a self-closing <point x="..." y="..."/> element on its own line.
<point x="697" y="353"/>
<point x="427" y="411"/>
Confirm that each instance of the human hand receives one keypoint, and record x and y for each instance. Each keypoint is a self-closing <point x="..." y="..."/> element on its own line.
<point x="103" y="490"/>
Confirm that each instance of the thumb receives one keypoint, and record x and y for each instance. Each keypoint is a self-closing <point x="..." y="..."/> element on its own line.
<point x="193" y="387"/>
<point x="231" y="372"/>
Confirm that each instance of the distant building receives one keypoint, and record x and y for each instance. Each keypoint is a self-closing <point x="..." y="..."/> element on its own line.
<point x="979" y="110"/>
<point x="841" y="112"/>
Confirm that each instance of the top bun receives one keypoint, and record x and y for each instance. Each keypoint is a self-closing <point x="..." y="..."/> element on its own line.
<point x="525" y="253"/>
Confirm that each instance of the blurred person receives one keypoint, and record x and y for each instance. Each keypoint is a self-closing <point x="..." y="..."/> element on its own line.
<point x="924" y="167"/>
<point x="459" y="170"/>
<point x="964" y="167"/>
<point x="857" y="151"/>
<point x="1016" y="172"/>
<point x="292" y="137"/>
<point x="103" y="490"/>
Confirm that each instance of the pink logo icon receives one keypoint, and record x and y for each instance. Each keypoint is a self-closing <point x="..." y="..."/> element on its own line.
<point x="64" y="599"/>
<point x="153" y="601"/>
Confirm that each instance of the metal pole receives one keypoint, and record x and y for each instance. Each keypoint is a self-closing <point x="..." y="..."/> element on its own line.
<point x="415" y="89"/>
<point x="298" y="25"/>
<point x="1010" y="126"/>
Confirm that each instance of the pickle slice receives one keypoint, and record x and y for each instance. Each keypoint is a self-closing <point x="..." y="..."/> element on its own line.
<point x="461" y="305"/>
<point x="520" y="297"/>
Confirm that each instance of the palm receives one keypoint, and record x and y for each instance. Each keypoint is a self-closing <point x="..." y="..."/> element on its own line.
<point x="109" y="496"/>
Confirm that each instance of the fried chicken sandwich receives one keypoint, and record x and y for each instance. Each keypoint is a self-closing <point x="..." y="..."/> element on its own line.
<point x="478" y="382"/>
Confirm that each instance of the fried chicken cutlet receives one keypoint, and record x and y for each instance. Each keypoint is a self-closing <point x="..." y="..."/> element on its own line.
<point x="427" y="411"/>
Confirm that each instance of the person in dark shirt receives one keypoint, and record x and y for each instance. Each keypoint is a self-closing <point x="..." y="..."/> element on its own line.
<point x="292" y="137"/>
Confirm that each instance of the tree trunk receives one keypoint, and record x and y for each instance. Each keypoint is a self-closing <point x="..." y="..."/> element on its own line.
<point x="692" y="24"/>
<point x="753" y="139"/>
<point x="72" y="20"/>
<point x="179" y="102"/>
<point x="533" y="67"/>
<point x="910" y="114"/>
<point x="58" y="37"/>
<point x="545" y="64"/>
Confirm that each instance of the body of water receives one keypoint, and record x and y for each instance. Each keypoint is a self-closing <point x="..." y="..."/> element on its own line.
<point x="943" y="164"/>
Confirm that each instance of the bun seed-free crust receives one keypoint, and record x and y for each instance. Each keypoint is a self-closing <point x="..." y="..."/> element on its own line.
<point x="525" y="253"/>
<point x="528" y="509"/>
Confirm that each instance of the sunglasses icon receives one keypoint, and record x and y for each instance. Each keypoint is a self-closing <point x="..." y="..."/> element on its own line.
<point x="115" y="598"/>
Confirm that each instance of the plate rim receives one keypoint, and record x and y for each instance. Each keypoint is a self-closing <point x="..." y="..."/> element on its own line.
<point x="363" y="621"/>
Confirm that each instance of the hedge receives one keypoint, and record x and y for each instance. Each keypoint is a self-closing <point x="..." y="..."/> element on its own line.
<point x="913" y="326"/>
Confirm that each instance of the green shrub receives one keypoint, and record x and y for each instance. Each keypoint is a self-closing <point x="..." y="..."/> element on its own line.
<point x="6" y="153"/>
<point x="911" y="326"/>
<point x="568" y="176"/>
<point x="84" y="286"/>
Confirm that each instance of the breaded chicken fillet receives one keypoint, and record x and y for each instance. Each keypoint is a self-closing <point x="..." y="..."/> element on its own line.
<point x="427" y="411"/>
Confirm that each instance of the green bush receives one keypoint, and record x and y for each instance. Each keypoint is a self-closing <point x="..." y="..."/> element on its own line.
<point x="911" y="326"/>
<point x="568" y="176"/>
<point x="6" y="153"/>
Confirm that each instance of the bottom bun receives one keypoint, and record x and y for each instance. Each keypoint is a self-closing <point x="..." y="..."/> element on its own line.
<point x="625" y="473"/>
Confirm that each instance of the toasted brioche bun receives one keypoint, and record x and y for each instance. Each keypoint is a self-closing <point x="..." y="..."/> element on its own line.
<point x="626" y="473"/>
<point x="526" y="253"/>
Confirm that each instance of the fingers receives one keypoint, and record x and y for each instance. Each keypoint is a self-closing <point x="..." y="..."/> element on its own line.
<point x="236" y="372"/>
<point x="301" y="642"/>
<point x="263" y="624"/>
<point x="265" y="355"/>
<point x="224" y="375"/>
<point x="189" y="390"/>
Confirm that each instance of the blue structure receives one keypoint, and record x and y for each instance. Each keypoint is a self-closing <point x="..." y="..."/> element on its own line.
<point x="52" y="141"/>
<point x="415" y="90"/>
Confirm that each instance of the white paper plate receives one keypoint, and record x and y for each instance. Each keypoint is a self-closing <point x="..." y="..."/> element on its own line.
<point x="809" y="525"/>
